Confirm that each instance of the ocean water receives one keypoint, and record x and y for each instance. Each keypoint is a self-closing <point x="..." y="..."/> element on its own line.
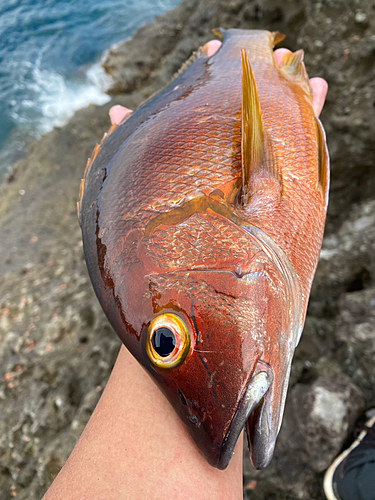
<point x="50" y="54"/>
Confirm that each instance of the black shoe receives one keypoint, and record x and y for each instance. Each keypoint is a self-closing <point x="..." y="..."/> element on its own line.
<point x="352" y="474"/>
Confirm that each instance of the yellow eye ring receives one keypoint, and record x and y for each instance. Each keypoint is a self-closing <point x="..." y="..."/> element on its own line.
<point x="168" y="341"/>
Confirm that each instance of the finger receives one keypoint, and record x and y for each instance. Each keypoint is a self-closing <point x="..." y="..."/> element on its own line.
<point x="319" y="88"/>
<point x="211" y="47"/>
<point x="278" y="54"/>
<point x="118" y="113"/>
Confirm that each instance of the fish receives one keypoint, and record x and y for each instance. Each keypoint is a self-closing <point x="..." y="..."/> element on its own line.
<point x="202" y="218"/>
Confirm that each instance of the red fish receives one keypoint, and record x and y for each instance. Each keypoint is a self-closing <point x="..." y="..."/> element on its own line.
<point x="202" y="218"/>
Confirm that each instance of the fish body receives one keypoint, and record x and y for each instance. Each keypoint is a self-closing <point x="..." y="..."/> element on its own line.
<point x="202" y="218"/>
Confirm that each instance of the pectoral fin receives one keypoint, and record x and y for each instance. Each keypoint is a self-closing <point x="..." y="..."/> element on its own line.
<point x="252" y="141"/>
<point x="256" y="148"/>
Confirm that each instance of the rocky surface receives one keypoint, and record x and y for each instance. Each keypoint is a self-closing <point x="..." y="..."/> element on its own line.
<point x="316" y="422"/>
<point x="56" y="347"/>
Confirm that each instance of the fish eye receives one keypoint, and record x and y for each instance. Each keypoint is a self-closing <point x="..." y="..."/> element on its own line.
<point x="168" y="341"/>
<point x="163" y="341"/>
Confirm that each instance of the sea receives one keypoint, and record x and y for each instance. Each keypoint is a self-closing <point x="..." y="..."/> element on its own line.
<point x="50" y="53"/>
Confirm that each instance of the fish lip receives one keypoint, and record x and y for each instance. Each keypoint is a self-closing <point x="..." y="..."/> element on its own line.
<point x="261" y="439"/>
<point x="255" y="391"/>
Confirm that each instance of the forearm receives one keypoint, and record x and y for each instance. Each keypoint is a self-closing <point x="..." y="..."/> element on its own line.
<point x="136" y="447"/>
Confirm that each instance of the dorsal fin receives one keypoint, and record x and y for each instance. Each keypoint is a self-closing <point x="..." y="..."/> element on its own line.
<point x="218" y="32"/>
<point x="89" y="163"/>
<point x="277" y="37"/>
<point x="252" y="141"/>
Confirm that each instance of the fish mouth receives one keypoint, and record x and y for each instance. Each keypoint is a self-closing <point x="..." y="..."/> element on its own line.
<point x="251" y="412"/>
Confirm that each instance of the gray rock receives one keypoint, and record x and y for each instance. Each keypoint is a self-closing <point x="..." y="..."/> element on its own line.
<point x="316" y="423"/>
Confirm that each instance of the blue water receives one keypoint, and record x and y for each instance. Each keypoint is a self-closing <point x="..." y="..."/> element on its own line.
<point x="50" y="61"/>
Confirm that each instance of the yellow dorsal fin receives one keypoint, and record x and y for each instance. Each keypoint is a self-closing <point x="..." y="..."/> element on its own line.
<point x="277" y="37"/>
<point x="218" y="32"/>
<point x="252" y="141"/>
<point x="293" y="68"/>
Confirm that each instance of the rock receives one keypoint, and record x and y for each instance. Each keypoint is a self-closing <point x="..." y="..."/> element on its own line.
<point x="316" y="423"/>
<point x="323" y="413"/>
<point x="356" y="329"/>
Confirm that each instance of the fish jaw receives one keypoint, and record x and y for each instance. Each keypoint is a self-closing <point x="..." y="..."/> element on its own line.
<point x="261" y="436"/>
<point x="263" y="425"/>
<point x="260" y="413"/>
<point x="256" y="390"/>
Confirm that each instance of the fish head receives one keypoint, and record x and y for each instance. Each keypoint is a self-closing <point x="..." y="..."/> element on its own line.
<point x="215" y="333"/>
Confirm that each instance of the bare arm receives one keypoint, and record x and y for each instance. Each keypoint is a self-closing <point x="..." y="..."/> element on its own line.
<point x="136" y="447"/>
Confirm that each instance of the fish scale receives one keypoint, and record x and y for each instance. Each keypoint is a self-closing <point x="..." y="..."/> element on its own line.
<point x="202" y="216"/>
<point x="193" y="250"/>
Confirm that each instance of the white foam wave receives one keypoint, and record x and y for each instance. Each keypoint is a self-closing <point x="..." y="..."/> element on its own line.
<point x="49" y="100"/>
<point x="98" y="77"/>
<point x="52" y="100"/>
<point x="60" y="99"/>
